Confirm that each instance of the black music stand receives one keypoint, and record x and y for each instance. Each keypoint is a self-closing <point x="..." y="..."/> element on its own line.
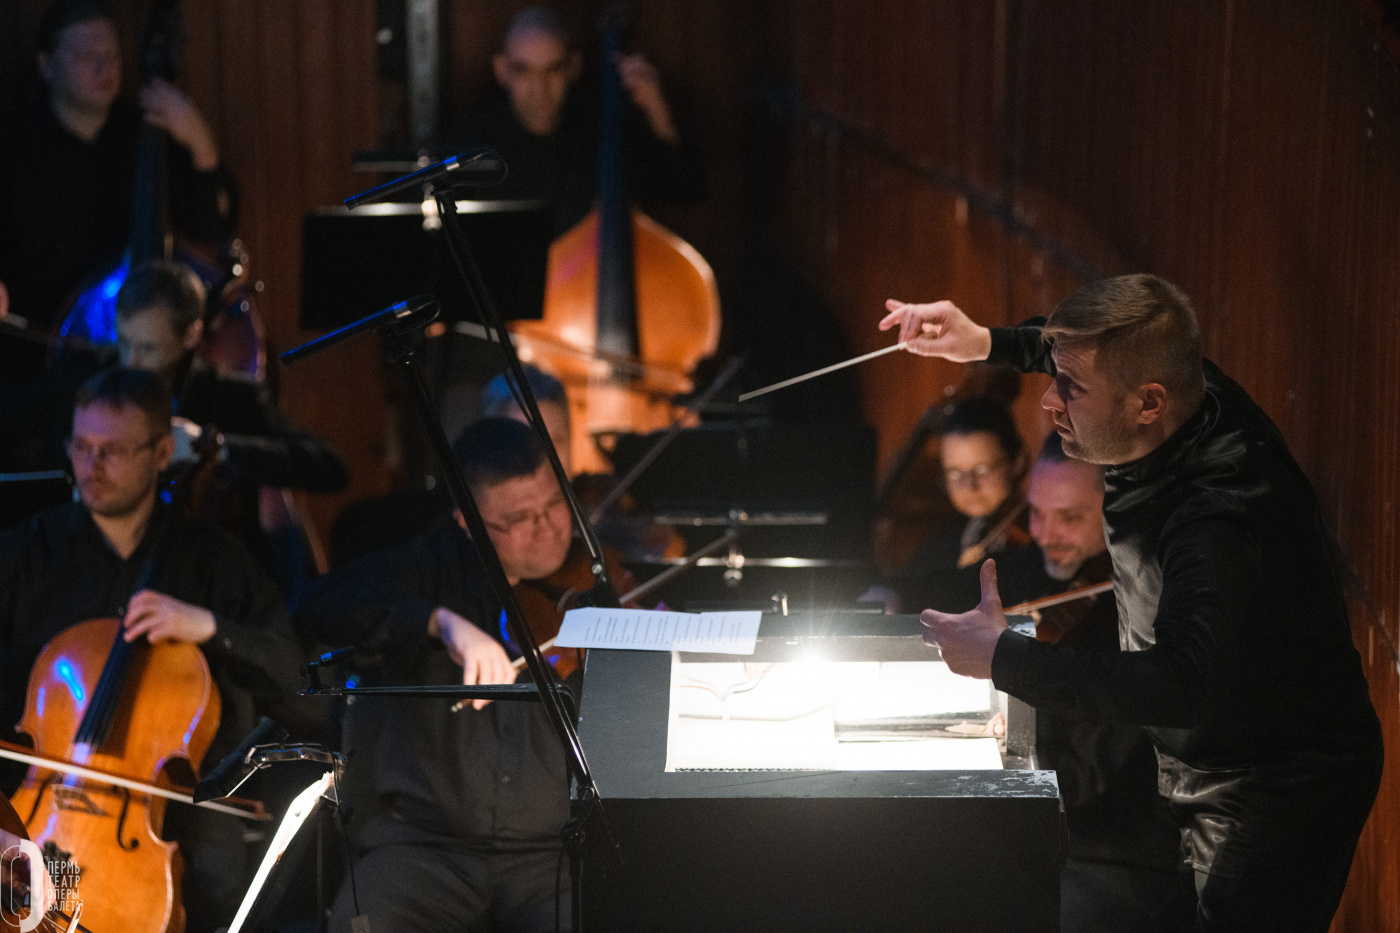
<point x="370" y="257"/>
<point x="23" y="494"/>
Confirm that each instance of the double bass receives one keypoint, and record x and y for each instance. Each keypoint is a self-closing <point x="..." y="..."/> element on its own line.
<point x="634" y="306"/>
<point x="234" y="335"/>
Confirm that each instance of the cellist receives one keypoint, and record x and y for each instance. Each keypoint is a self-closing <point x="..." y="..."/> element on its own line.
<point x="548" y="133"/>
<point x="80" y="561"/>
<point x="457" y="815"/>
<point x="67" y="165"/>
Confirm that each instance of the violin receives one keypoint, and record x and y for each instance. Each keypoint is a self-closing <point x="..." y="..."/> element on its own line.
<point x="544" y="602"/>
<point x="1054" y="623"/>
<point x="635" y="307"/>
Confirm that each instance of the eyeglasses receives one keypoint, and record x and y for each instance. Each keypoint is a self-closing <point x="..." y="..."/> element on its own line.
<point x="111" y="452"/>
<point x="558" y="509"/>
<point x="975" y="476"/>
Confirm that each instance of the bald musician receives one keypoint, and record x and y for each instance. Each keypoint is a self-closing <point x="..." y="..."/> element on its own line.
<point x="547" y="130"/>
<point x="1236" y="652"/>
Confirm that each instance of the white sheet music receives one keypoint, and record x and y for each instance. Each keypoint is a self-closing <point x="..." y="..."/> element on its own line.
<point x="649" y="630"/>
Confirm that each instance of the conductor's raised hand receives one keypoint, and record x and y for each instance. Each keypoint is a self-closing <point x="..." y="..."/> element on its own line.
<point x="968" y="640"/>
<point x="483" y="659"/>
<point x="938" y="329"/>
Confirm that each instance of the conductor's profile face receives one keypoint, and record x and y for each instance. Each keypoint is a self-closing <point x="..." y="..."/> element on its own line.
<point x="1090" y="410"/>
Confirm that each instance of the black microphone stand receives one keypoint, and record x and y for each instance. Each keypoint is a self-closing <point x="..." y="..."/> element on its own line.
<point x="399" y="326"/>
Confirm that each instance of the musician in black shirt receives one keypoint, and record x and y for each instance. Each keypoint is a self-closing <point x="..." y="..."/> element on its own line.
<point x="81" y="561"/>
<point x="1236" y="650"/>
<point x="457" y="816"/>
<point x="1120" y="869"/>
<point x="67" y="166"/>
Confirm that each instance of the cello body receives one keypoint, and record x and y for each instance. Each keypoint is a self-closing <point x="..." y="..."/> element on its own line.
<point x="164" y="712"/>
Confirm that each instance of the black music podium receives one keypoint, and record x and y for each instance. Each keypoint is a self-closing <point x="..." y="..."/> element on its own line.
<point x="808" y="850"/>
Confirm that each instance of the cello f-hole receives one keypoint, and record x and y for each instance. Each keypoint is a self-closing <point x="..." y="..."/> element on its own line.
<point x="39" y="798"/>
<point x="121" y="820"/>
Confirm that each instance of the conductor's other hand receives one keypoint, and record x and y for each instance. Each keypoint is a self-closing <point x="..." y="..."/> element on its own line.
<point x="938" y="329"/>
<point x="483" y="659"/>
<point x="969" y="640"/>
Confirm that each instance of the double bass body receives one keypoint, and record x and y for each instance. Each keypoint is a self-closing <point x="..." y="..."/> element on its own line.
<point x="157" y="707"/>
<point x="677" y="325"/>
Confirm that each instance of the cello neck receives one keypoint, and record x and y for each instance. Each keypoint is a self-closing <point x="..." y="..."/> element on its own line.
<point x="101" y="713"/>
<point x="617" y="294"/>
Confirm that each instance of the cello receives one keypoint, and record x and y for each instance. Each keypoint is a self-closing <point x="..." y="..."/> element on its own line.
<point x="634" y="306"/>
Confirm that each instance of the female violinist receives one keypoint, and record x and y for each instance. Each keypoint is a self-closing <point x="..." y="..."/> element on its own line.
<point x="984" y="464"/>
<point x="132" y="626"/>
<point x="473" y="800"/>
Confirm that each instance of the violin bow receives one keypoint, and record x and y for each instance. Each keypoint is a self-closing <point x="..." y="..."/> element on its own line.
<point x="1035" y="605"/>
<point x="251" y="809"/>
<point x="979" y="550"/>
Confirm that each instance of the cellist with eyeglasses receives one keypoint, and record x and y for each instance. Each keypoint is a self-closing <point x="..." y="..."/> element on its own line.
<point x="119" y="575"/>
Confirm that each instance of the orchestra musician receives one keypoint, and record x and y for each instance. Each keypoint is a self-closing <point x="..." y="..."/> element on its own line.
<point x="457" y="815"/>
<point x="160" y="324"/>
<point x="80" y="561"/>
<point x="984" y="466"/>
<point x="547" y="132"/>
<point x="1236" y="649"/>
<point x="1120" y="869"/>
<point x="159" y="327"/>
<point x="67" y="165"/>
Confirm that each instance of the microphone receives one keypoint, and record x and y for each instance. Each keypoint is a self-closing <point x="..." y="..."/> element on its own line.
<point x="333" y="657"/>
<point x="410" y="312"/>
<point x="476" y="168"/>
<point x="236" y="767"/>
